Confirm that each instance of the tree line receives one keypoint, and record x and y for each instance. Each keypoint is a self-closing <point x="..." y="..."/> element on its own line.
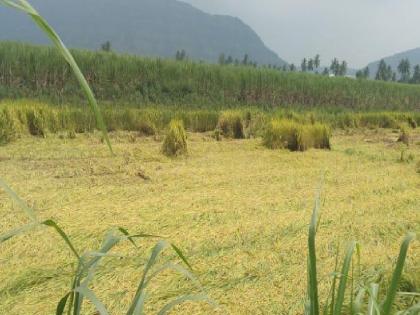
<point x="336" y="68"/>
<point x="404" y="73"/>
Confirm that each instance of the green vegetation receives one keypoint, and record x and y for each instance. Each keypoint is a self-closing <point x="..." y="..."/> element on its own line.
<point x="175" y="142"/>
<point x="31" y="71"/>
<point x="357" y="305"/>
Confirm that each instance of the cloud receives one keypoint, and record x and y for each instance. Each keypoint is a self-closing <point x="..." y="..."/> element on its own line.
<point x="358" y="31"/>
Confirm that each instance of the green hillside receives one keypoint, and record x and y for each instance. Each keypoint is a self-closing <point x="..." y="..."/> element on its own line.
<point x="412" y="55"/>
<point x="143" y="27"/>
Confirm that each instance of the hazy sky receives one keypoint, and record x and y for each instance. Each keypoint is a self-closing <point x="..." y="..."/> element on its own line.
<point x="359" y="31"/>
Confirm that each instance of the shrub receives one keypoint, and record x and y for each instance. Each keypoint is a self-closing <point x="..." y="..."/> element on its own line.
<point x="321" y="136"/>
<point x="71" y="134"/>
<point x="146" y="128"/>
<point x="404" y="135"/>
<point x="296" y="137"/>
<point x="36" y="123"/>
<point x="405" y="156"/>
<point x="412" y="122"/>
<point x="175" y="142"/>
<point x="217" y="134"/>
<point x="8" y="128"/>
<point x="231" y="125"/>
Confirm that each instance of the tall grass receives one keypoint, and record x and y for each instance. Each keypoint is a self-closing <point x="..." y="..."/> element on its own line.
<point x="295" y="136"/>
<point x="38" y="118"/>
<point x="33" y="71"/>
<point x="231" y="124"/>
<point x="335" y="302"/>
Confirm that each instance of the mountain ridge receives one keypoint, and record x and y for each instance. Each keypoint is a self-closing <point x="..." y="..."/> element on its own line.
<point x="413" y="55"/>
<point x="142" y="27"/>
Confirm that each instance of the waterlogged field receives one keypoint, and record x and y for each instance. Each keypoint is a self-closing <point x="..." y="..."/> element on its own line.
<point x="238" y="210"/>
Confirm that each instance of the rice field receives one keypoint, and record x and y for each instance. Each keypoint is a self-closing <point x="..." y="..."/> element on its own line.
<point x="238" y="210"/>
<point x="236" y="201"/>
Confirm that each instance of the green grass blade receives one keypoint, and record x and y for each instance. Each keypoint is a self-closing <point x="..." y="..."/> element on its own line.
<point x="358" y="302"/>
<point x="29" y="212"/>
<point x="100" y="307"/>
<point x="181" y="255"/>
<point x="140" y="305"/>
<point x="396" y="277"/>
<point x="62" y="304"/>
<point x="8" y="235"/>
<point x="24" y="6"/>
<point x="159" y="247"/>
<point x="373" y="308"/>
<point x="343" y="279"/>
<point x="109" y="242"/>
<point x="185" y="298"/>
<point x="51" y="223"/>
<point x="125" y="232"/>
<point x="132" y="237"/>
<point x="77" y="301"/>
<point x="313" y="282"/>
<point x="333" y="286"/>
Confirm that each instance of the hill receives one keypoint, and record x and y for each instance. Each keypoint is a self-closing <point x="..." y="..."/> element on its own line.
<point x="33" y="71"/>
<point x="143" y="27"/>
<point x="412" y="55"/>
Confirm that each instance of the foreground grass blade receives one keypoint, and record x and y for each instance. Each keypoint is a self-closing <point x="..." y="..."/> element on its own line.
<point x="358" y="302"/>
<point x="63" y="235"/>
<point x="137" y="304"/>
<point x="329" y="306"/>
<point x="343" y="279"/>
<point x="131" y="238"/>
<point x="396" y="277"/>
<point x="313" y="282"/>
<point x="62" y="304"/>
<point x="373" y="298"/>
<point x="24" y="6"/>
<point x="92" y="297"/>
<point x="29" y="212"/>
<point x="8" y="235"/>
<point x="181" y="255"/>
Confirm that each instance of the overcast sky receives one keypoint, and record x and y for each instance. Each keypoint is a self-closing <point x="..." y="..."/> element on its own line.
<point x="359" y="31"/>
